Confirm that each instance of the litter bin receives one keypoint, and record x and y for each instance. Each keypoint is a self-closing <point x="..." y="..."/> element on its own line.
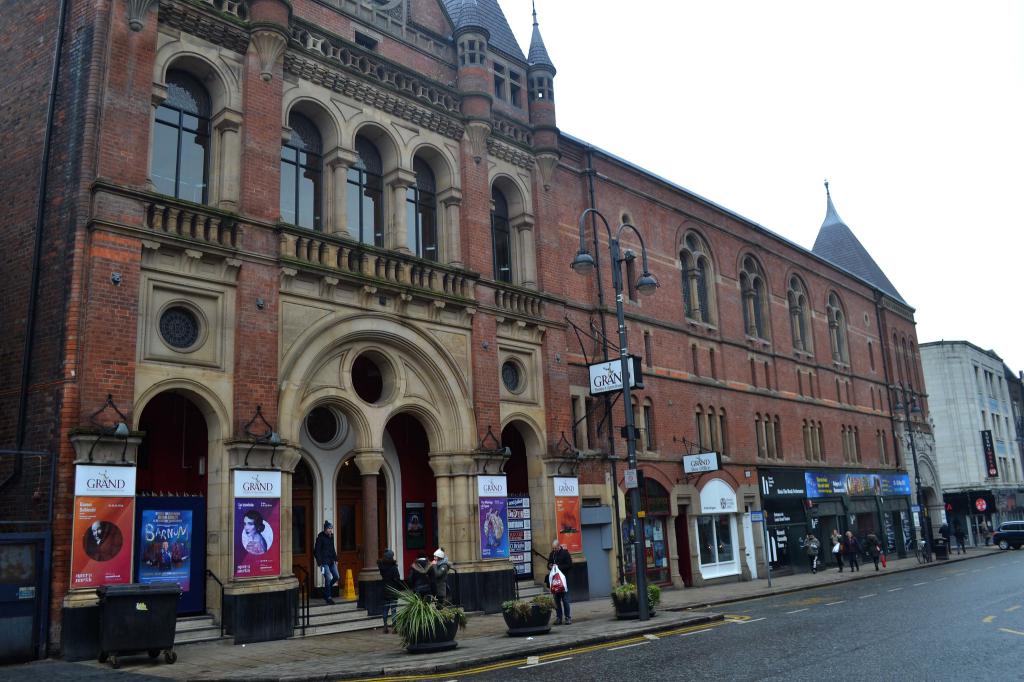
<point x="941" y="548"/>
<point x="138" y="619"/>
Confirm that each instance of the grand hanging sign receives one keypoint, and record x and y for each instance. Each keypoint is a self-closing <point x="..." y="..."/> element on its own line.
<point x="702" y="463"/>
<point x="606" y="377"/>
<point x="104" y="525"/>
<point x="257" y="528"/>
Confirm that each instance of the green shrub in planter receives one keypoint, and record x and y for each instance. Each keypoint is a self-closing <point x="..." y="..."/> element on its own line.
<point x="625" y="600"/>
<point x="422" y="621"/>
<point x="531" y="617"/>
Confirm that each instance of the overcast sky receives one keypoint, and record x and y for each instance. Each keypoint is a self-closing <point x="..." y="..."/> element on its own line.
<point x="913" y="111"/>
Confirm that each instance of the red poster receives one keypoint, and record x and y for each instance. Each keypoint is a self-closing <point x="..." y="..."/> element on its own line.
<point x="567" y="518"/>
<point x="101" y="541"/>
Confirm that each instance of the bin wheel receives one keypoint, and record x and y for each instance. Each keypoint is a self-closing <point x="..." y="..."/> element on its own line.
<point x="114" y="663"/>
<point x="153" y="653"/>
<point x="102" y="658"/>
<point x="170" y="656"/>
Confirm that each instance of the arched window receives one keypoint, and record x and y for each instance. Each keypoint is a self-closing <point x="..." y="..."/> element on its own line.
<point x="650" y="441"/>
<point x="837" y="329"/>
<point x="698" y="280"/>
<point x="755" y="299"/>
<point x="799" y="315"/>
<point x="302" y="174"/>
<point x="365" y="194"/>
<point x="501" y="236"/>
<point x="181" y="140"/>
<point x="421" y="216"/>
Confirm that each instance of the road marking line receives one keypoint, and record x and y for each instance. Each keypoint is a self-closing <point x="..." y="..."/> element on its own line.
<point x="535" y="665"/>
<point x="895" y="589"/>
<point x="653" y="638"/>
<point x="833" y="603"/>
<point x="744" y="622"/>
<point x="939" y="579"/>
<point x="628" y="646"/>
<point x="919" y="584"/>
<point x="532" y="660"/>
<point x="977" y="570"/>
<point x="1013" y="608"/>
<point x="1012" y="632"/>
<point x="695" y="632"/>
<point x="797" y="611"/>
<point x="988" y="619"/>
<point x="867" y="596"/>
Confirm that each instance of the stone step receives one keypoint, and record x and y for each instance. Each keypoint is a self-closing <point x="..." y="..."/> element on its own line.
<point x="196" y="629"/>
<point x="347" y="617"/>
<point x="367" y="623"/>
<point x="317" y="607"/>
<point x="195" y="623"/>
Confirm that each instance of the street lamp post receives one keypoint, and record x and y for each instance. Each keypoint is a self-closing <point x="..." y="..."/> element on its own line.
<point x="904" y="399"/>
<point x="646" y="284"/>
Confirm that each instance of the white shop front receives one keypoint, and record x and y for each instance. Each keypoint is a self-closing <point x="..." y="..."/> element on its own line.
<point x="716" y="530"/>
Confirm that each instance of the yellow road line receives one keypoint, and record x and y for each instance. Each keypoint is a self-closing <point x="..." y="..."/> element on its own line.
<point x="552" y="655"/>
<point x="988" y="619"/>
<point x="1012" y="632"/>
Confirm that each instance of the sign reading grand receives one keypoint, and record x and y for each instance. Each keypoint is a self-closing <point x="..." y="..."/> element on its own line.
<point x="492" y="486"/>
<point x="104" y="481"/>
<point x="251" y="483"/>
<point x="698" y="464"/>
<point x="606" y="377"/>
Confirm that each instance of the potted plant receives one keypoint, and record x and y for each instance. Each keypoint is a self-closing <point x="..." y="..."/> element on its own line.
<point x="425" y="624"/>
<point x="531" y="617"/>
<point x="625" y="601"/>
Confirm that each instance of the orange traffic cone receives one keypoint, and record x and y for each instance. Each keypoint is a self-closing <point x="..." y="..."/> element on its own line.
<point x="350" y="586"/>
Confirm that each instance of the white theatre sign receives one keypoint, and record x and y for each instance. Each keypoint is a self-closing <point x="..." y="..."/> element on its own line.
<point x="606" y="377"/>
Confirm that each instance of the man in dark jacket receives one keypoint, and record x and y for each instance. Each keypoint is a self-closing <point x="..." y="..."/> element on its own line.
<point x="851" y="551"/>
<point x="391" y="583"/>
<point x="327" y="559"/>
<point x="419" y="580"/>
<point x="560" y="557"/>
<point x="438" y="574"/>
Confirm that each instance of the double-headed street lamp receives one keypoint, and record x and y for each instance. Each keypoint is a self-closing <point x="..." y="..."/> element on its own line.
<point x="584" y="263"/>
<point x="906" y="400"/>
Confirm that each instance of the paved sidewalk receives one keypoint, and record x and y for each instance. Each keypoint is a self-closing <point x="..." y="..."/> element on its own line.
<point x="372" y="653"/>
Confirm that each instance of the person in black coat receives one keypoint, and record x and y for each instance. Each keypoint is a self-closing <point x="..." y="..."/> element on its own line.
<point x="326" y="557"/>
<point x="852" y="550"/>
<point x="560" y="557"/>
<point x="419" y="580"/>
<point x="392" y="583"/>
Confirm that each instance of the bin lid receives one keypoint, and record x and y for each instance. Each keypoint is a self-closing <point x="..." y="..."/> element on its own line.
<point x="138" y="590"/>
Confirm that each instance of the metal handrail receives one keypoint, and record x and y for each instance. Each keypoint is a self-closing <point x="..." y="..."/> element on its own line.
<point x="305" y="589"/>
<point x="211" y="574"/>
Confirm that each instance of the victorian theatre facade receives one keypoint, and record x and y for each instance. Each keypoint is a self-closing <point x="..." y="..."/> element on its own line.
<point x="306" y="261"/>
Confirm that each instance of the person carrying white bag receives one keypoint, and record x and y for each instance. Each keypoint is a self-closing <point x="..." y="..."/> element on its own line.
<point x="559" y="562"/>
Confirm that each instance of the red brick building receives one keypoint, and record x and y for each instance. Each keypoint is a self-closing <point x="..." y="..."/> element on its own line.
<point x="326" y="244"/>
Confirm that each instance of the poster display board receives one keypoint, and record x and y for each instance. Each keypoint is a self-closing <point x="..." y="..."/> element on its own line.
<point x="103" y="526"/>
<point x="520" y="537"/>
<point x="567" y="513"/>
<point x="165" y="546"/>
<point x="257" y="523"/>
<point x="493" y="494"/>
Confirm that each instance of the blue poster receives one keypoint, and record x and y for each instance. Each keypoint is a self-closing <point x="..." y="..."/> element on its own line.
<point x="493" y="524"/>
<point x="822" y="483"/>
<point x="895" y="484"/>
<point x="165" y="546"/>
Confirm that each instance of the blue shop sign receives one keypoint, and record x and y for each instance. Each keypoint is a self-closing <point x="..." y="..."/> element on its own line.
<point x="895" y="484"/>
<point x="822" y="483"/>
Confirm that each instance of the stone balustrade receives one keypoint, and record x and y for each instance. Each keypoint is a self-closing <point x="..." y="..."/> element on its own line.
<point x="518" y="301"/>
<point x="192" y="223"/>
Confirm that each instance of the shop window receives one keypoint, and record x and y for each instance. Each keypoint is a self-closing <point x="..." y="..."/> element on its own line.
<point x="657" y="507"/>
<point x="717" y="545"/>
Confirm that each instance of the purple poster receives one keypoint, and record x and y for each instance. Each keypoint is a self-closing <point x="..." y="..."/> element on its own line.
<point x="257" y="546"/>
<point x="493" y="525"/>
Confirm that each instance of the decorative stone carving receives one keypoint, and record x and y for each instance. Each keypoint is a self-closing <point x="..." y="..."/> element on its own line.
<point x="137" y="10"/>
<point x="478" y="132"/>
<point x="270" y="43"/>
<point x="546" y="164"/>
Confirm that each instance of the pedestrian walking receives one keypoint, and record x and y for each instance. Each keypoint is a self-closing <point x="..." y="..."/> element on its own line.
<point x="958" y="533"/>
<point x="392" y="584"/>
<point x="836" y="540"/>
<point x="873" y="547"/>
<point x="986" y="532"/>
<point x="813" y="548"/>
<point x="326" y="557"/>
<point x="851" y="551"/>
<point x="560" y="558"/>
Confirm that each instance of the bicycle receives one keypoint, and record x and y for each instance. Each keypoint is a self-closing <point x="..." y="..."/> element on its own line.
<point x="922" y="553"/>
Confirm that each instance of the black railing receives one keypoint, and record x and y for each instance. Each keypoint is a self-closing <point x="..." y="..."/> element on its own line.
<point x="211" y="574"/>
<point x="305" y="588"/>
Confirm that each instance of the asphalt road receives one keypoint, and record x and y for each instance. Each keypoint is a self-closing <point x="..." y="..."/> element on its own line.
<point x="961" y="621"/>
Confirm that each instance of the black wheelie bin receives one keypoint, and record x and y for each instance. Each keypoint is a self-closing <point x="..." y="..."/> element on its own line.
<point x="138" y="619"/>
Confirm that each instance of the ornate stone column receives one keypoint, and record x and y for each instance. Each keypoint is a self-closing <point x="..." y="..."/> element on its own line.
<point x="228" y="125"/>
<point x="369" y="463"/>
<point x="158" y="97"/>
<point x="339" y="160"/>
<point x="396" y="235"/>
<point x="527" y="276"/>
<point x="451" y="240"/>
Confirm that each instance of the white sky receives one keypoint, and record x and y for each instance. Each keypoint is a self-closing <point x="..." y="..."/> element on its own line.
<point x="912" y="110"/>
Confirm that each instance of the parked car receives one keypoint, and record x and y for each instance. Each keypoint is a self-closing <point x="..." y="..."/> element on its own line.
<point x="1010" y="534"/>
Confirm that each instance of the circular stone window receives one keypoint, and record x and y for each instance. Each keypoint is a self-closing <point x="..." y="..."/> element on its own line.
<point x="512" y="376"/>
<point x="179" y="327"/>
<point x="372" y="377"/>
<point x="326" y="426"/>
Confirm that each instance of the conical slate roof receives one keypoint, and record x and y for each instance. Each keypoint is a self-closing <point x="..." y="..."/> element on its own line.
<point x="837" y="244"/>
<point x="485" y="14"/>
<point x="538" y="53"/>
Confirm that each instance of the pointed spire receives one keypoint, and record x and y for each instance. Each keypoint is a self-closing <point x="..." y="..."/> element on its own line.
<point x="538" y="54"/>
<point x="837" y="244"/>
